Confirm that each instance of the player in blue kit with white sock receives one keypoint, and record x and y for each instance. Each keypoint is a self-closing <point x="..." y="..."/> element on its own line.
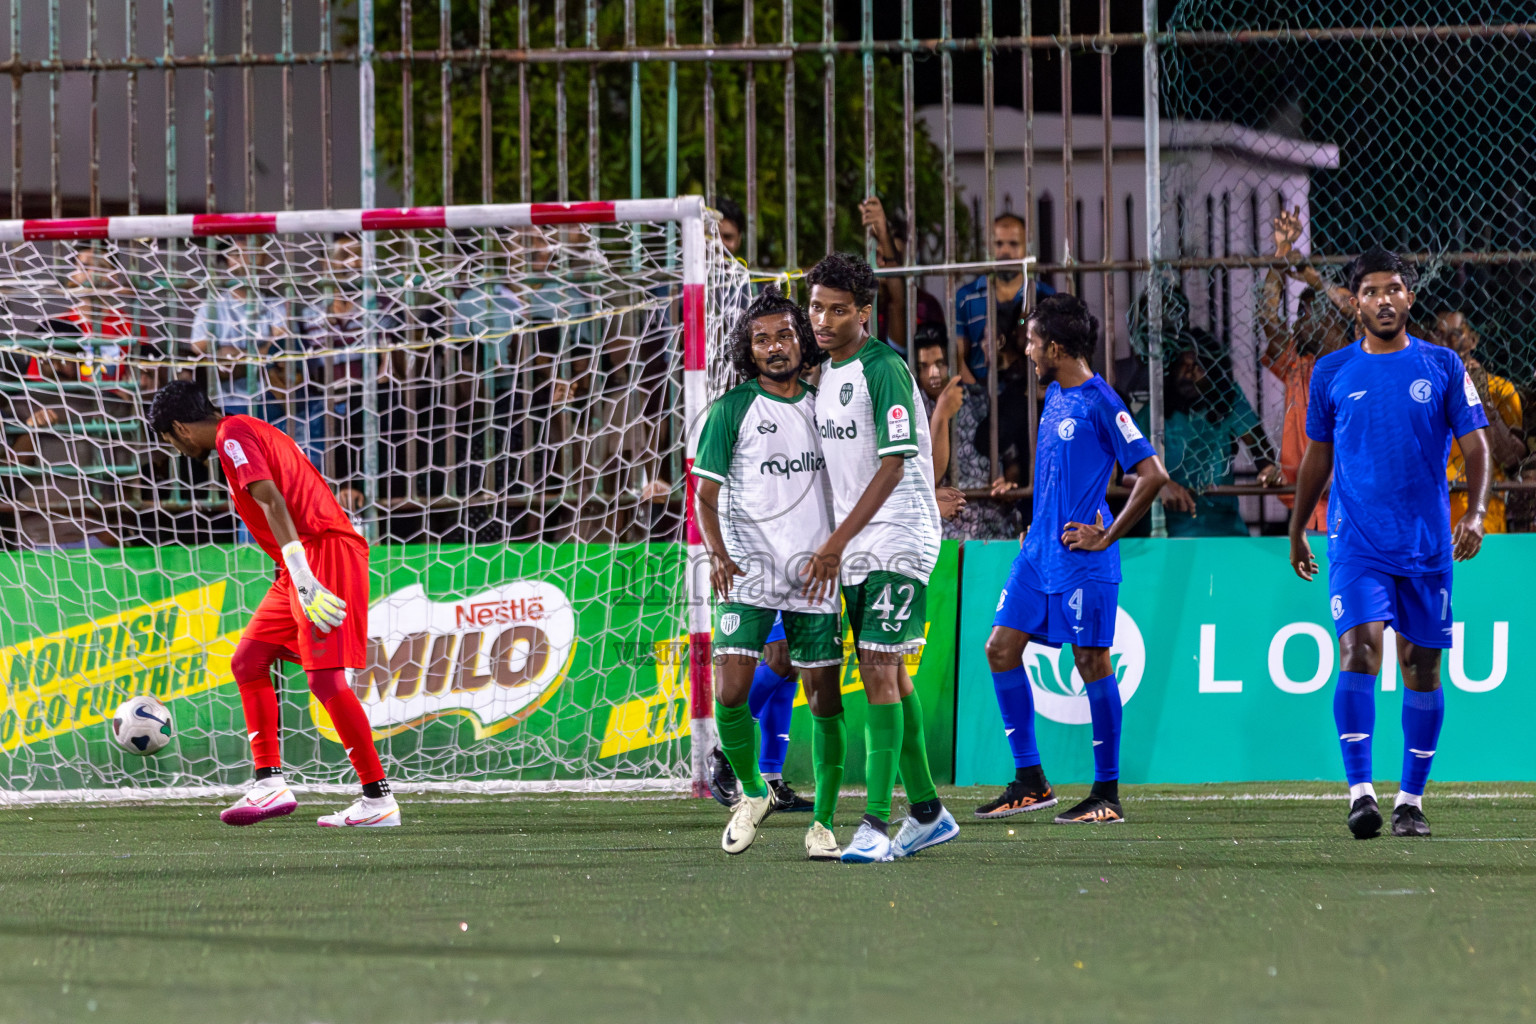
<point x="1064" y="587"/>
<point x="1380" y="417"/>
<point x="772" y="703"/>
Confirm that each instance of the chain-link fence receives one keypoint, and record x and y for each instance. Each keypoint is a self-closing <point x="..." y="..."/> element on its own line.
<point x="1297" y="136"/>
<point x="1280" y="141"/>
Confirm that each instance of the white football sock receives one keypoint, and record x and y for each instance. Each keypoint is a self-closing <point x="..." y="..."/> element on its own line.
<point x="770" y="776"/>
<point x="1361" y="789"/>
<point x="1409" y="798"/>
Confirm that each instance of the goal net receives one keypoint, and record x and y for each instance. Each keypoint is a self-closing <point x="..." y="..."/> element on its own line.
<point x="500" y="395"/>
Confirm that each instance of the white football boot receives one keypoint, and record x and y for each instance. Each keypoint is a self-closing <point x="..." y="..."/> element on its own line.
<point x="868" y="846"/>
<point x="914" y="835"/>
<point x="268" y="798"/>
<point x="820" y="843"/>
<point x="366" y="812"/>
<point x="748" y="813"/>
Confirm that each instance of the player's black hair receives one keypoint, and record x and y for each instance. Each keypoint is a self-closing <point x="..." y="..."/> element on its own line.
<point x="1063" y="319"/>
<point x="180" y="401"/>
<point x="847" y="272"/>
<point x="739" y="344"/>
<point x="1377" y="260"/>
<point x="1016" y="218"/>
<point x="730" y="211"/>
<point x="930" y="336"/>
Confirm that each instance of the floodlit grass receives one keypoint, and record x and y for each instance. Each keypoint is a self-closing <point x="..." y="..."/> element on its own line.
<point x="1220" y="903"/>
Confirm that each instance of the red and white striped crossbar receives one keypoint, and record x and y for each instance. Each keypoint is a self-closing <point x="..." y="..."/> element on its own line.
<point x="490" y="215"/>
<point x="686" y="211"/>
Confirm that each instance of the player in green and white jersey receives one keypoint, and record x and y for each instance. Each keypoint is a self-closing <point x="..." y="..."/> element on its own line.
<point x="885" y="545"/>
<point x="763" y="508"/>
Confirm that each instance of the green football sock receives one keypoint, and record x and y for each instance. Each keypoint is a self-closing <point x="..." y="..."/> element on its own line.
<point x="916" y="776"/>
<point x="882" y="737"/>
<point x="829" y="751"/>
<point x="738" y="738"/>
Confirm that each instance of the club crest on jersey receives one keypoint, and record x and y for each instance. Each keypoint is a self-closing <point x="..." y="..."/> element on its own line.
<point x="728" y="623"/>
<point x="1421" y="390"/>
<point x="1066" y="428"/>
<point x="235" y="452"/>
<point x="845" y="394"/>
<point x="1128" y="428"/>
<point x="898" y="424"/>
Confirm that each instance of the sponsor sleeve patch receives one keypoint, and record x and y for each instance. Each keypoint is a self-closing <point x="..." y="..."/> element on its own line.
<point x="236" y="453"/>
<point x="898" y="423"/>
<point x="1470" y="390"/>
<point x="1128" y="428"/>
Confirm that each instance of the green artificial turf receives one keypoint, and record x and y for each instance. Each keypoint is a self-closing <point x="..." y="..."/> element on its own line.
<point x="556" y="908"/>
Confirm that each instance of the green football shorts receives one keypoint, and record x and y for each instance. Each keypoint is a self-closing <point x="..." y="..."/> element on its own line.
<point x="815" y="638"/>
<point x="887" y="612"/>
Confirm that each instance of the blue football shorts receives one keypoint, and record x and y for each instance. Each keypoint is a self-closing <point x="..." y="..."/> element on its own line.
<point x="777" y="632"/>
<point x="1083" y="616"/>
<point x="1418" y="607"/>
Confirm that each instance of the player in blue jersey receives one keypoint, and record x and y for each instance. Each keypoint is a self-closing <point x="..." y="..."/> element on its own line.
<point x="1065" y="582"/>
<point x="1381" y="416"/>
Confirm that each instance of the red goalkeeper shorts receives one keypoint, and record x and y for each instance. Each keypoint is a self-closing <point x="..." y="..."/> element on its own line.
<point x="341" y="564"/>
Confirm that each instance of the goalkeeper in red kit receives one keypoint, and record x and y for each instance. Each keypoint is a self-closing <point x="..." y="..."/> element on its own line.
<point x="316" y="612"/>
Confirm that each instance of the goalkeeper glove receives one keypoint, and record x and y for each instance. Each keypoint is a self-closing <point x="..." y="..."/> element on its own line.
<point x="321" y="607"/>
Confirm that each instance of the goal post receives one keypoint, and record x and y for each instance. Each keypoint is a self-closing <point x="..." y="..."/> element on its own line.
<point x="508" y="398"/>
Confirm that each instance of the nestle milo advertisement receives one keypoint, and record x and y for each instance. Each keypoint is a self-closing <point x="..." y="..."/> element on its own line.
<point x="528" y="662"/>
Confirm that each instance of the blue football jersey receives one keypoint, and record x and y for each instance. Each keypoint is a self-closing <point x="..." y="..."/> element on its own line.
<point x="1391" y="419"/>
<point x="1084" y="431"/>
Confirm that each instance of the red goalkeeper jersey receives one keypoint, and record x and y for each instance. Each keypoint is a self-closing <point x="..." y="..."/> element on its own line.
<point x="250" y="450"/>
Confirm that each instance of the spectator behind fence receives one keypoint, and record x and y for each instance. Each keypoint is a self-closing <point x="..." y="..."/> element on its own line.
<point x="332" y="389"/>
<point x="1205" y="415"/>
<point x="932" y="367"/>
<point x="969" y="467"/>
<point x="1501" y="403"/>
<point x="1291" y="350"/>
<point x="733" y="225"/>
<point x="96" y="293"/>
<point x="890" y="231"/>
<point x="1009" y="236"/>
<point x="243" y="327"/>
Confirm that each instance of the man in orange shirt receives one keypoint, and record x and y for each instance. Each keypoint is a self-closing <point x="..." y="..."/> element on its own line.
<point x="1501" y="402"/>
<point x="1291" y="350"/>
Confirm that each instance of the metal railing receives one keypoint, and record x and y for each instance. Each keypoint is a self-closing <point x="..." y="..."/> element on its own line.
<point x="275" y="122"/>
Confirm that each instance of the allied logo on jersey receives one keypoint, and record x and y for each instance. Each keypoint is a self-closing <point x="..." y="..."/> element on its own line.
<point x="493" y="658"/>
<point x="845" y="394"/>
<point x="1059" y="692"/>
<point x="898" y="424"/>
<point x="1128" y="428"/>
<point x="729" y="622"/>
<point x="1421" y="390"/>
<point x="783" y="465"/>
<point x="767" y="427"/>
<point x="832" y="432"/>
<point x="1066" y="429"/>
<point x="1336" y="606"/>
<point x="1470" y="390"/>
<point x="236" y="453"/>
